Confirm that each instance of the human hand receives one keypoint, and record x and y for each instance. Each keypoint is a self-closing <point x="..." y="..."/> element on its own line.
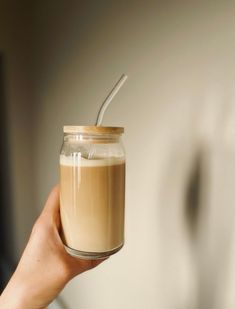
<point x="45" y="267"/>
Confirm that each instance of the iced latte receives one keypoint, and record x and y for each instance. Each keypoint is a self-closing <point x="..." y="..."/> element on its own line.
<point x="92" y="191"/>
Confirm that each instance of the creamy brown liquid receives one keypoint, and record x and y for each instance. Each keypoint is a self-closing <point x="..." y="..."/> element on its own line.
<point x="92" y="205"/>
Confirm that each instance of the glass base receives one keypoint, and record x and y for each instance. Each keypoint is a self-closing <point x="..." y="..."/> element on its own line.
<point x="91" y="255"/>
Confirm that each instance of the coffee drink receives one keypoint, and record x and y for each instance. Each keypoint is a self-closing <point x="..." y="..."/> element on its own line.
<point x="92" y="204"/>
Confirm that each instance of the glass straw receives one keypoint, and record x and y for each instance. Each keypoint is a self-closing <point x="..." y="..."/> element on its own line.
<point x="109" y="98"/>
<point x="105" y="104"/>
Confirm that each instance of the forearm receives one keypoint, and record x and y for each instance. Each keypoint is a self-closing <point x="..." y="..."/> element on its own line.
<point x="12" y="297"/>
<point x="17" y="295"/>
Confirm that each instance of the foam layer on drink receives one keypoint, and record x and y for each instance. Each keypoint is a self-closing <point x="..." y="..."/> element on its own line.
<point x="78" y="160"/>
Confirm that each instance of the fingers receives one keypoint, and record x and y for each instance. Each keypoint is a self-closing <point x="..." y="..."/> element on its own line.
<point x="78" y="266"/>
<point x="52" y="204"/>
<point x="95" y="263"/>
<point x="51" y="211"/>
<point x="89" y="264"/>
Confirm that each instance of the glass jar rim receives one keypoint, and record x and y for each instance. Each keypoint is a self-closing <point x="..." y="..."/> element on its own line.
<point x="93" y="130"/>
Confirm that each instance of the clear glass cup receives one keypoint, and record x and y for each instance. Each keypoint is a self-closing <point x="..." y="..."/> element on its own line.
<point x="92" y="190"/>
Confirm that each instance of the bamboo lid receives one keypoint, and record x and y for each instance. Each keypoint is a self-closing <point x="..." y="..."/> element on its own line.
<point x="93" y="129"/>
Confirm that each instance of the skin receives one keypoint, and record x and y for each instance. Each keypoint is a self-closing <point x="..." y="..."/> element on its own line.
<point x="45" y="267"/>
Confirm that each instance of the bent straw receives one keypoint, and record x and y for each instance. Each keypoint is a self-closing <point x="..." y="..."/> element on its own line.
<point x="109" y="98"/>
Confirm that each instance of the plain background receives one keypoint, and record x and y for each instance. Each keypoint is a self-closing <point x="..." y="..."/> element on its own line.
<point x="61" y="58"/>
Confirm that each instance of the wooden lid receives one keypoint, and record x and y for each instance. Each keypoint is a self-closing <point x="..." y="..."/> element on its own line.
<point x="93" y="129"/>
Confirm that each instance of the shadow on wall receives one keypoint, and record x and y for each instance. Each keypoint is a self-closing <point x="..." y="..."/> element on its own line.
<point x="193" y="193"/>
<point x="6" y="211"/>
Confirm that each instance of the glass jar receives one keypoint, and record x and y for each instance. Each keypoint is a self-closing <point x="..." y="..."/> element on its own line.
<point x="92" y="190"/>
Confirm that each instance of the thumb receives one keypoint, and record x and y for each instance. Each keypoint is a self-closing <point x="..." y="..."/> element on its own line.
<point x="51" y="210"/>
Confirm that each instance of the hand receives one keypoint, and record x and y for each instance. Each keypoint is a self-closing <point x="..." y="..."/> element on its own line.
<point x="45" y="267"/>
